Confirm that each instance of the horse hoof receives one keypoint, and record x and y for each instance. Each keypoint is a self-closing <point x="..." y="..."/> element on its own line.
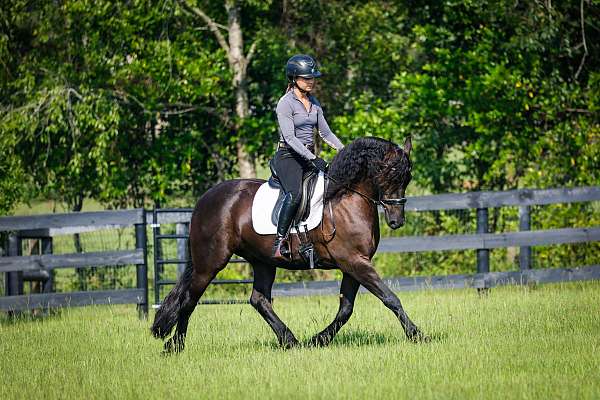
<point x="172" y="346"/>
<point x="418" y="337"/>
<point x="287" y="343"/>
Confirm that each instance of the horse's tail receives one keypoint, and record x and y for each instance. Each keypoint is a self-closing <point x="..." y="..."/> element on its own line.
<point x="168" y="313"/>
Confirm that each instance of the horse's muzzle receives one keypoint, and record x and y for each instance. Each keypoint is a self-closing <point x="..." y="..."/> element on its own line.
<point x="395" y="224"/>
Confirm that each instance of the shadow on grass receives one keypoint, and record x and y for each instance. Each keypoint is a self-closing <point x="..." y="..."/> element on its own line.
<point x="364" y="338"/>
<point x="358" y="338"/>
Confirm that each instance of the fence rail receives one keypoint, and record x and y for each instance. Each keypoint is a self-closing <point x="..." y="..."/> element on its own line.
<point x="457" y="281"/>
<point x="518" y="197"/>
<point x="488" y="240"/>
<point x="91" y="259"/>
<point x="77" y="222"/>
<point x="53" y="300"/>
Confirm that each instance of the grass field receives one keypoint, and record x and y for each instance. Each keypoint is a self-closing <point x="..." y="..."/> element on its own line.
<point x="516" y="342"/>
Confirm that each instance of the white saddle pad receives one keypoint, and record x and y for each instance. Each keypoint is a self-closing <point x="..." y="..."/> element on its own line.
<point x="264" y="202"/>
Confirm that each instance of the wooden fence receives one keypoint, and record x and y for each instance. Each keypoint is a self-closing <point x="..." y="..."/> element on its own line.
<point x="483" y="242"/>
<point x="39" y="267"/>
<point x="16" y="266"/>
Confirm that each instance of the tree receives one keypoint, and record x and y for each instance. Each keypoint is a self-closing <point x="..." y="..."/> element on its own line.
<point x="238" y="61"/>
<point x="485" y="83"/>
<point x="103" y="102"/>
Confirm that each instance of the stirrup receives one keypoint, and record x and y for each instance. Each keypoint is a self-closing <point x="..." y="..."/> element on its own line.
<point x="281" y="249"/>
<point x="307" y="251"/>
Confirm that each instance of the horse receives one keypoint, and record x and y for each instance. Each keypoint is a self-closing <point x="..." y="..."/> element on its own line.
<point x="366" y="173"/>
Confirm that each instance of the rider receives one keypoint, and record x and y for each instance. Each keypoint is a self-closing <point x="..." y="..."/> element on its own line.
<point x="298" y="113"/>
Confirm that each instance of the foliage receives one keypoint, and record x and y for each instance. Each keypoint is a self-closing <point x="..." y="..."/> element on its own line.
<point x="12" y="176"/>
<point x="111" y="102"/>
<point x="484" y="84"/>
<point x="125" y="102"/>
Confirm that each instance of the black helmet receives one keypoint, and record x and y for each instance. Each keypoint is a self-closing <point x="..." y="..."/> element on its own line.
<point x="301" y="65"/>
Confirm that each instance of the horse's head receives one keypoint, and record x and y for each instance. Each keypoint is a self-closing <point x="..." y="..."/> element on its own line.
<point x="392" y="179"/>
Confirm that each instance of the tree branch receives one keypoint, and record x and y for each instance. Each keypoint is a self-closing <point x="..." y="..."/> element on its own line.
<point x="585" y="53"/>
<point x="127" y="97"/>
<point x="212" y="25"/>
<point x="251" y="52"/>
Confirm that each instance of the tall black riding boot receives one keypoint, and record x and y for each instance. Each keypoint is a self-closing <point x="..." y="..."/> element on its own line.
<point x="286" y="215"/>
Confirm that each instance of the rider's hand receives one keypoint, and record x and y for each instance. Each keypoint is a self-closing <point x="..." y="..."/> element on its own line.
<point x="320" y="164"/>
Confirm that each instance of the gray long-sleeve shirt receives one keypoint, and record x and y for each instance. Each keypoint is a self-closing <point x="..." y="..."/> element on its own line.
<point x="296" y="124"/>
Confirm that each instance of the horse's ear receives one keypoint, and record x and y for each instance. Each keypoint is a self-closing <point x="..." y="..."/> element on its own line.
<point x="407" y="146"/>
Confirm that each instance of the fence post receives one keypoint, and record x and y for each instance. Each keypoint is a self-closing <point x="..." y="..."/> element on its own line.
<point x="14" y="280"/>
<point x="142" y="269"/>
<point x="157" y="255"/>
<point x="524" y="225"/>
<point x="182" y="254"/>
<point x="47" y="248"/>
<point x="483" y="255"/>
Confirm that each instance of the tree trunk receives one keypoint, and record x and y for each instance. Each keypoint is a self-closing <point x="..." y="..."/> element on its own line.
<point x="238" y="64"/>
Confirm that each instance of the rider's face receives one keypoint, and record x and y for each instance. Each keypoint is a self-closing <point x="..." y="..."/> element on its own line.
<point x="306" y="84"/>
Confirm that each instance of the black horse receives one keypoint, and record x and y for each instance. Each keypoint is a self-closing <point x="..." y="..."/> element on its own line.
<point x="366" y="173"/>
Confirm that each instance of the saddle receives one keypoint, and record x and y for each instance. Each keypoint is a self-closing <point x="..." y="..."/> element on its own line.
<point x="309" y="181"/>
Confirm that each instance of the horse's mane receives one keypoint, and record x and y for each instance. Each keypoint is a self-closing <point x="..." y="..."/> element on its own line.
<point x="378" y="159"/>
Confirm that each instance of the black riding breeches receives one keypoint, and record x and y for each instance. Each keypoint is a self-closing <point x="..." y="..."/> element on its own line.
<point x="290" y="167"/>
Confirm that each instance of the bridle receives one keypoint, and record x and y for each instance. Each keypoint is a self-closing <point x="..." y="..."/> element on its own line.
<point x="380" y="201"/>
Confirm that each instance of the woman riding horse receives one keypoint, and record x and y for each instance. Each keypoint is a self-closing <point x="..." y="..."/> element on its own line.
<point x="367" y="173"/>
<point x="298" y="113"/>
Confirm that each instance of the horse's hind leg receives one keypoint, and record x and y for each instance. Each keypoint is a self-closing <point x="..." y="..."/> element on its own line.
<point x="260" y="299"/>
<point x="183" y="298"/>
<point x="189" y="300"/>
<point x="365" y="273"/>
<point x="348" y="290"/>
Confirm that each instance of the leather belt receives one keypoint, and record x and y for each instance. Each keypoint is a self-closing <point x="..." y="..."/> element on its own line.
<point x="284" y="145"/>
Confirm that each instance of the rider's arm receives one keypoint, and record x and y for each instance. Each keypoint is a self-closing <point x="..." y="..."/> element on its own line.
<point x="325" y="132"/>
<point x="286" y="126"/>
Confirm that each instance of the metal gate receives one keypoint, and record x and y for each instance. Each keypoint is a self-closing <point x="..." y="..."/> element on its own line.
<point x="180" y="217"/>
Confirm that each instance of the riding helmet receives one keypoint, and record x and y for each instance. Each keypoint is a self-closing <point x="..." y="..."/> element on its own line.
<point x="303" y="66"/>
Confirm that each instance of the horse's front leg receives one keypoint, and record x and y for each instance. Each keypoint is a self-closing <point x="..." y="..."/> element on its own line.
<point x="264" y="276"/>
<point x="348" y="290"/>
<point x="364" y="272"/>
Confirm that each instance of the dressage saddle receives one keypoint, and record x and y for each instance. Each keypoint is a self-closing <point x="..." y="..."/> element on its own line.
<point x="309" y="182"/>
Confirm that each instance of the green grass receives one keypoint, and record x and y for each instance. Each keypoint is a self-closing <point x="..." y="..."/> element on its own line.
<point x="516" y="342"/>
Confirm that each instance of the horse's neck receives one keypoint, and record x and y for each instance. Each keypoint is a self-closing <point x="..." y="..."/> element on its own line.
<point x="368" y="188"/>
